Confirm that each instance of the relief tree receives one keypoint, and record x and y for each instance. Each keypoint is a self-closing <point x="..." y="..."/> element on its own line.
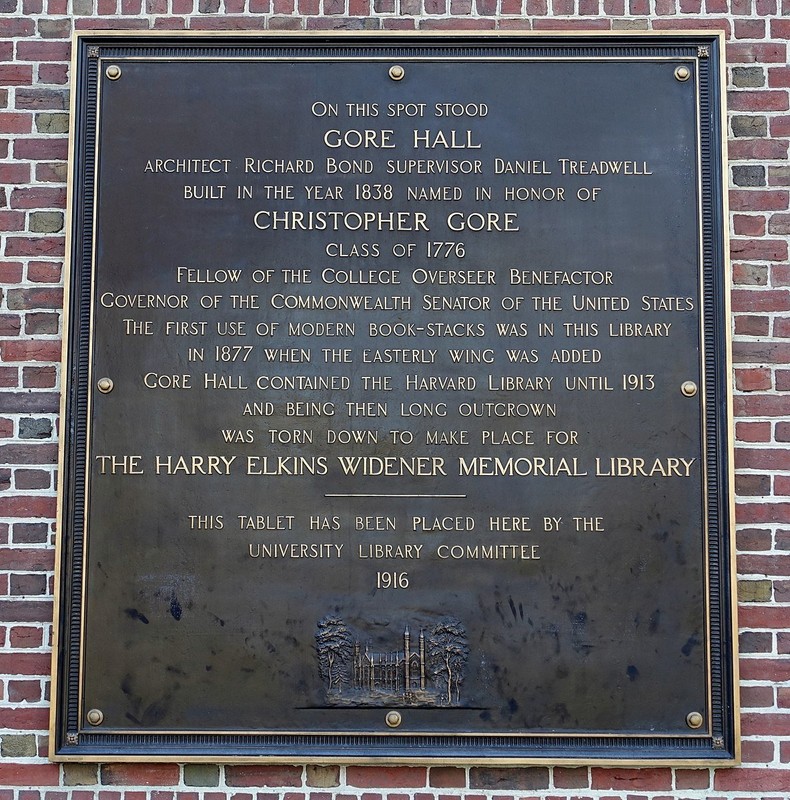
<point x="448" y="652"/>
<point x="334" y="646"/>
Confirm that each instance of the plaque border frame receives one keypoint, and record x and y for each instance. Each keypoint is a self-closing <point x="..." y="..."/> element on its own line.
<point x="723" y="749"/>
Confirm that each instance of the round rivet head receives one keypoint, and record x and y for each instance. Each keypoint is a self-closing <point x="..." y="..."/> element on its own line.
<point x="682" y="73"/>
<point x="694" y="720"/>
<point x="104" y="385"/>
<point x="113" y="72"/>
<point x="393" y="719"/>
<point x="688" y="388"/>
<point x="397" y="72"/>
<point x="95" y="717"/>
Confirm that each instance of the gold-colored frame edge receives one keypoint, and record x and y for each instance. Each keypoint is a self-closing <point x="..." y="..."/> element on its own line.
<point x="683" y="33"/>
<point x="493" y="761"/>
<point x="64" y="383"/>
<point x="727" y="287"/>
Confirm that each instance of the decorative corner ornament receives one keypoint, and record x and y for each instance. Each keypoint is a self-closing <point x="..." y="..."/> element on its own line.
<point x="93" y="52"/>
<point x="703" y="51"/>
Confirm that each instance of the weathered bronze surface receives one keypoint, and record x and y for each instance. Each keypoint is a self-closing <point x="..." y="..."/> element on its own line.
<point x="375" y="445"/>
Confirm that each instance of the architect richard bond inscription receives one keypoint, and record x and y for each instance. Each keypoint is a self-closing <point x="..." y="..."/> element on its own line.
<point x="396" y="414"/>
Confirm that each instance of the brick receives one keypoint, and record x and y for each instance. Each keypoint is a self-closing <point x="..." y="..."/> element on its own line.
<point x="692" y="779"/>
<point x="760" y="406"/>
<point x="201" y="775"/>
<point x="14" y="74"/>
<point x="30" y="533"/>
<point x="254" y="775"/>
<point x="752" y="642"/>
<point x="14" y="173"/>
<point x="35" y="246"/>
<point x="383" y="777"/>
<point x="508" y="778"/>
<point x="753" y="513"/>
<point x="32" y="479"/>
<point x="51" y="173"/>
<point x="26" y="637"/>
<point x="54" y="28"/>
<point x="779" y="77"/>
<point x="322" y="777"/>
<point x="46" y="221"/>
<point x="778" y="175"/>
<point x="759" y="200"/>
<point x="761" y="617"/>
<point x="20" y="746"/>
<point x="447" y="777"/>
<point x="29" y="774"/>
<point x="23" y="719"/>
<point x="571" y="24"/>
<point x="38" y="99"/>
<point x="29" y="350"/>
<point x="756" y="752"/>
<point x="631" y="779"/>
<point x="39" y="197"/>
<point x="22" y="402"/>
<point x="749" y="274"/>
<point x="28" y="506"/>
<point x="761" y="300"/>
<point x="753" y="485"/>
<point x="756" y="149"/>
<point x="41" y="323"/>
<point x="749" y="125"/>
<point x="41" y="149"/>
<point x="748" y="225"/>
<point x="24" y="691"/>
<point x="779" y="224"/>
<point x="756" y="53"/>
<point x="44" y="271"/>
<point x="139" y="774"/>
<point x="753" y="380"/>
<point x="39" y="377"/>
<point x="566" y="778"/>
<point x="780" y="126"/>
<point x="10" y="324"/>
<point x="23" y="299"/>
<point x="749" y="29"/>
<point x="769" y="780"/>
<point x="459" y="24"/>
<point x="754" y="591"/>
<point x="749" y="175"/>
<point x="15" y="123"/>
<point x="43" y="51"/>
<point x="80" y="774"/>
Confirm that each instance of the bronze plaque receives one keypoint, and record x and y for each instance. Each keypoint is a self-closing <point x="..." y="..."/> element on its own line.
<point x="396" y="419"/>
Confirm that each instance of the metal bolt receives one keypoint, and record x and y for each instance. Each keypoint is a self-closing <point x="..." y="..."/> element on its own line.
<point x="694" y="720"/>
<point x="95" y="717"/>
<point x="397" y="72"/>
<point x="682" y="73"/>
<point x="688" y="388"/>
<point x="393" y="719"/>
<point x="105" y="385"/>
<point x="113" y="72"/>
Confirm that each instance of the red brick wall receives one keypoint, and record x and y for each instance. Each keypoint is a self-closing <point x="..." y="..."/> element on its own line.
<point x="34" y="75"/>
